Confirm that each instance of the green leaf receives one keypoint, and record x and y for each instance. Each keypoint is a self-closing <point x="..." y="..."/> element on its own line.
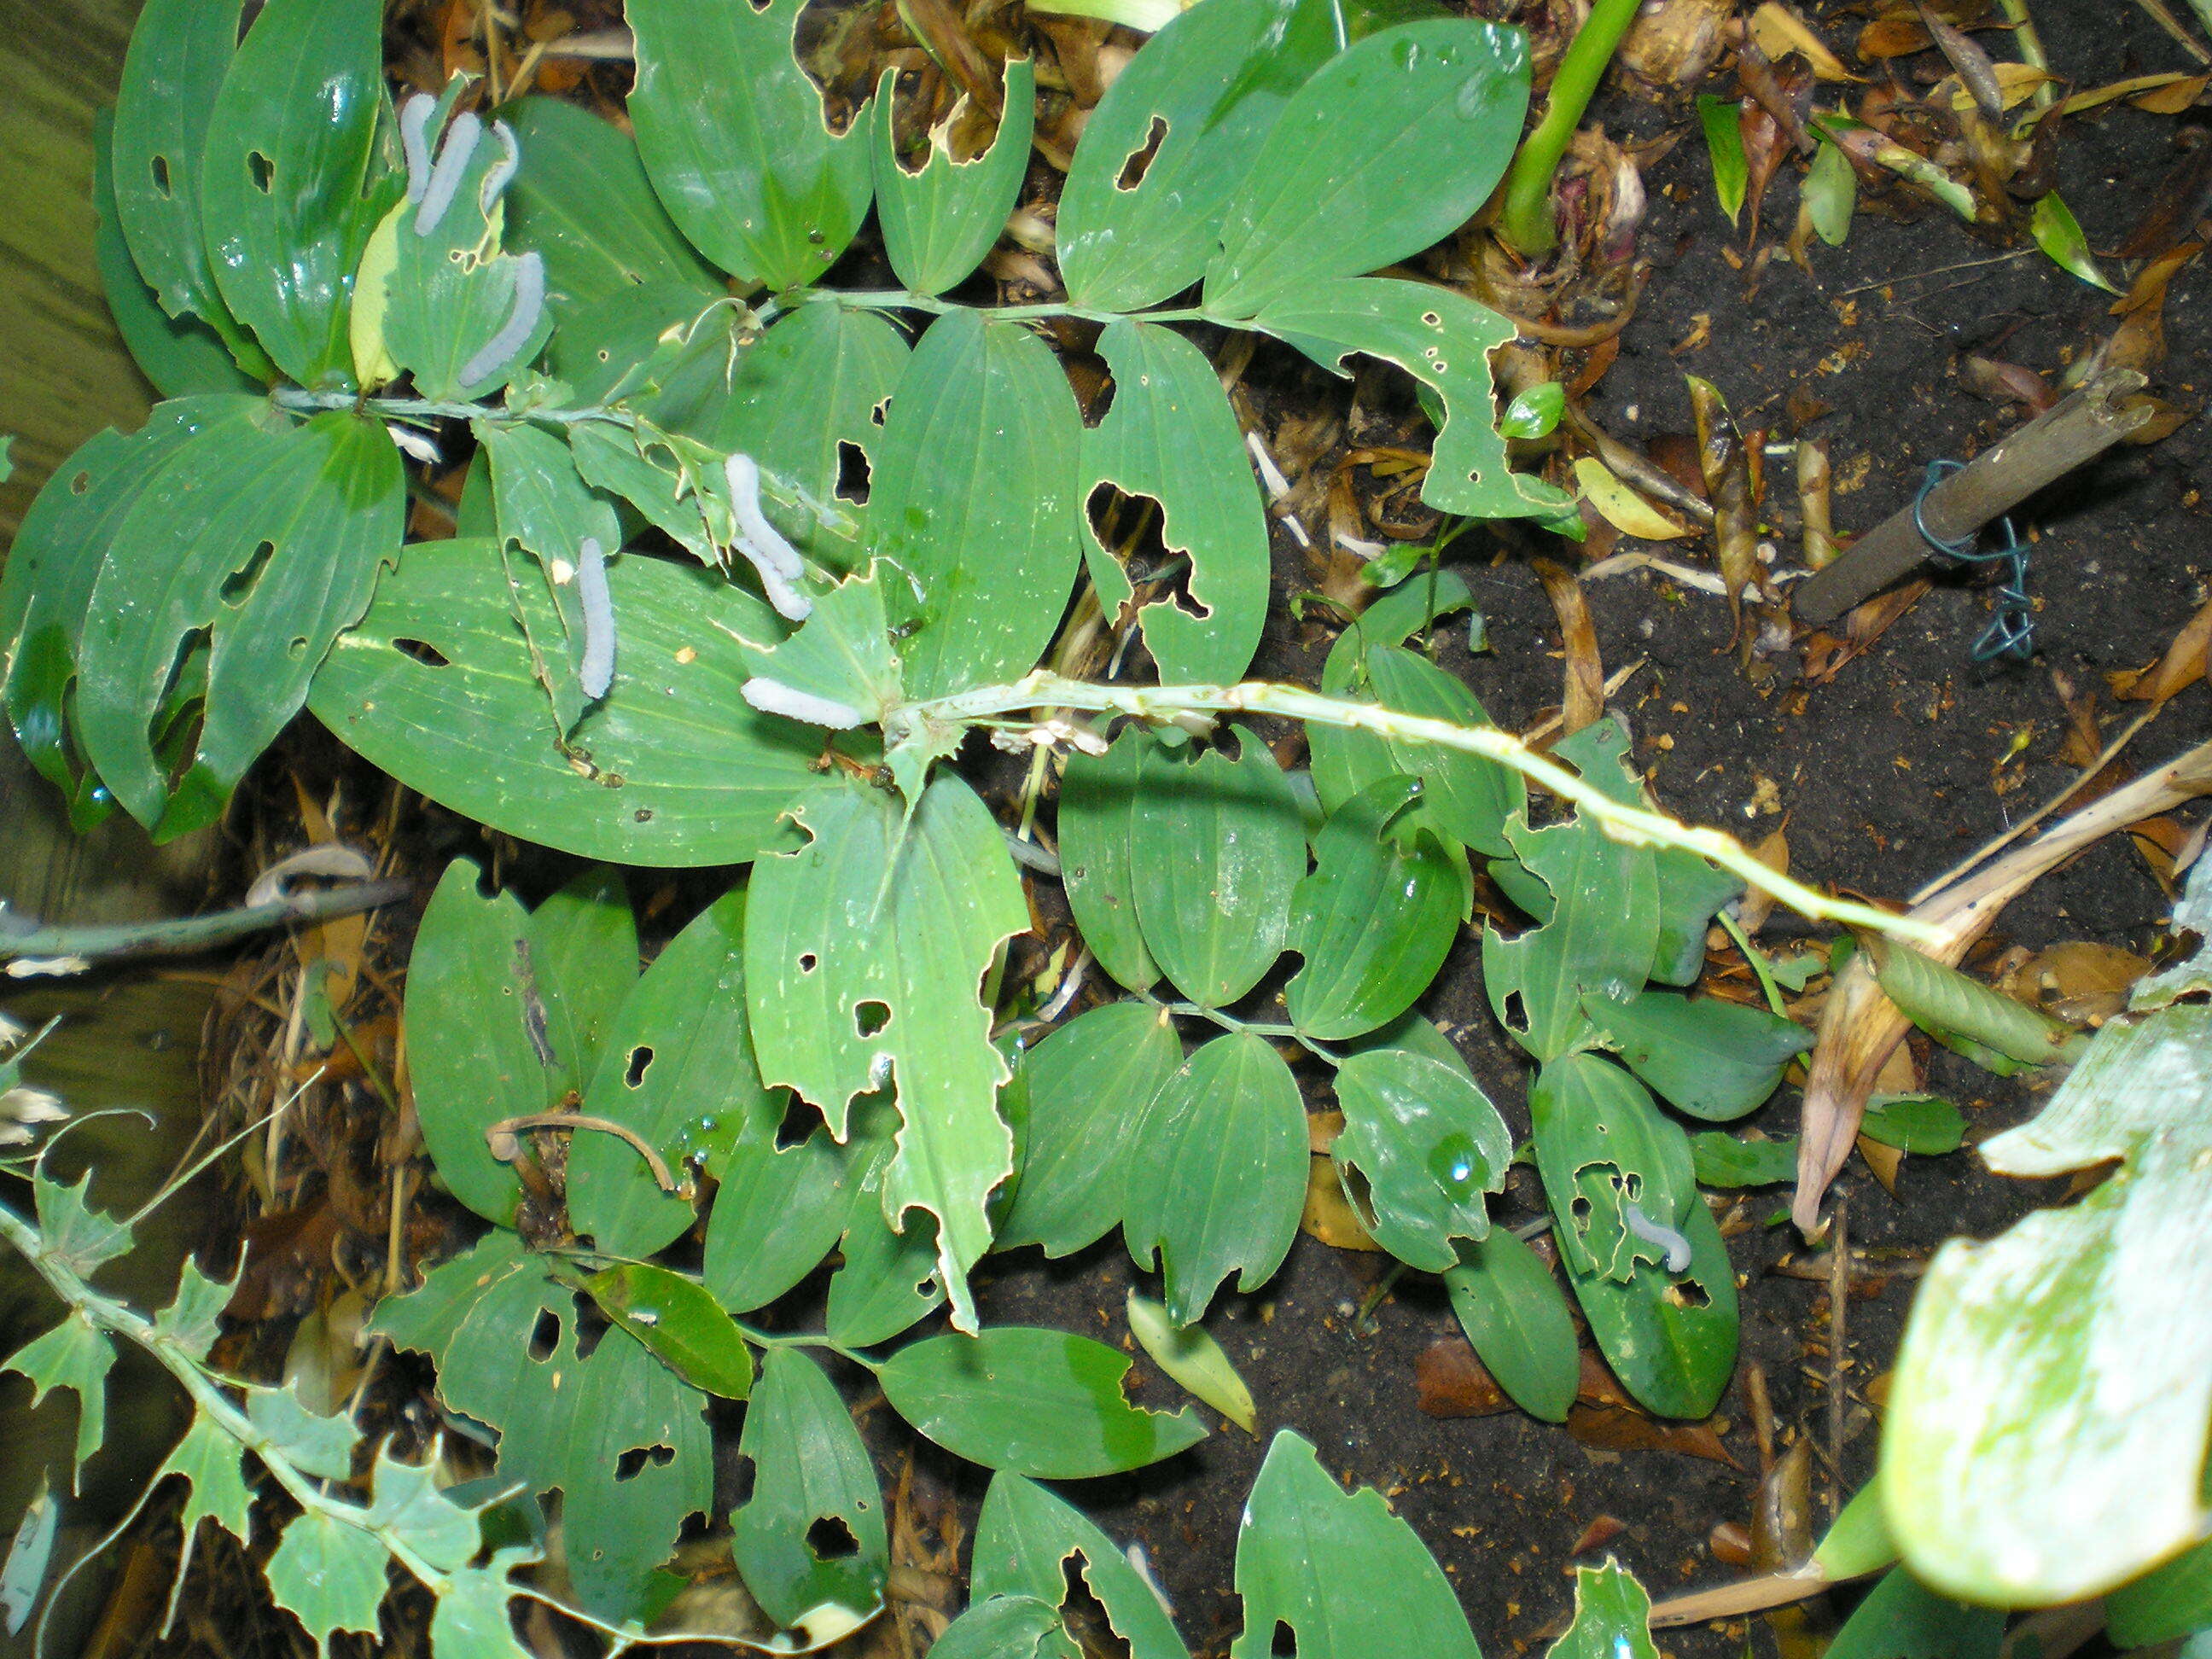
<point x="1041" y="1403"/>
<point x="1714" y="1059"/>
<point x="1722" y="1160"/>
<point x="973" y="497"/>
<point x="330" y="1575"/>
<point x="1170" y="437"/>
<point x="435" y="296"/>
<point x="1440" y="100"/>
<point x="1601" y="1146"/>
<point x="74" y="1355"/>
<point x="1428" y="1144"/>
<point x="2046" y="1371"/>
<point x="471" y="1619"/>
<point x="477" y="1042"/>
<point x="1723" y="130"/>
<point x="1831" y="192"/>
<point x="172" y="74"/>
<point x="808" y="1466"/>
<point x="318" y="1444"/>
<point x="1216" y="854"/>
<point x="1600" y="936"/>
<point x="841" y="653"/>
<point x="502" y="1331"/>
<point x="1194" y="1359"/>
<point x="408" y="1501"/>
<point x="1173" y="138"/>
<point x="435" y="687"/>
<point x="1515" y="1314"/>
<point x="180" y="355"/>
<point x="580" y="200"/>
<point x="1103" y="798"/>
<point x="543" y="506"/>
<point x="939" y="220"/>
<point x="1902" y="1618"/>
<point x="679" y="1324"/>
<point x="1217" y="1173"/>
<point x="1914" y="1123"/>
<point x="193" y="1318"/>
<point x="1613" y="1617"/>
<point x="1314" y="1557"/>
<point x="583" y="941"/>
<point x="1003" y="1627"/>
<point x="776" y="1214"/>
<point x="267" y="536"/>
<point x="1690" y="893"/>
<point x="2058" y="233"/>
<point x="1444" y="340"/>
<point x="678" y="1069"/>
<point x="889" y="1280"/>
<point x="75" y="1233"/>
<point x="294" y="179"/>
<point x="2170" y="1601"/>
<point x="1533" y="413"/>
<point x="30" y="1553"/>
<point x="1857" y="1541"/>
<point x="1373" y="920"/>
<point x="864" y="952"/>
<point x="212" y="1463"/>
<point x="1025" y="1538"/>
<point x="732" y="131"/>
<point x="1670" y="1338"/>
<point x="1089" y="1084"/>
<point x="1956" y="1008"/>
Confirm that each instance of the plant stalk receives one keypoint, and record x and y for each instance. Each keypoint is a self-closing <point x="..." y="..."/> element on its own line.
<point x="1527" y="224"/>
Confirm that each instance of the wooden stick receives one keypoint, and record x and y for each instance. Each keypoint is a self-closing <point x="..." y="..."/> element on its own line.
<point x="2066" y="436"/>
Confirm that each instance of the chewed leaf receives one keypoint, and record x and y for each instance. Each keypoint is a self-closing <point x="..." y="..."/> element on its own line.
<point x="1613" y="1617"/>
<point x="1041" y="1403"/>
<point x="808" y="1468"/>
<point x="1026" y="1542"/>
<point x="1601" y="1147"/>
<point x="1670" y="1338"/>
<point x="840" y="656"/>
<point x="1441" y="338"/>
<point x="1315" y="1558"/>
<point x="865" y="955"/>
<point x="1429" y="1146"/>
<point x="940" y="220"/>
<point x="74" y="1355"/>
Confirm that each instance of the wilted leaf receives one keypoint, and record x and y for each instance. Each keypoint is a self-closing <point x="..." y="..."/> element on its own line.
<point x="1622" y="508"/>
<point x="1194" y="1359"/>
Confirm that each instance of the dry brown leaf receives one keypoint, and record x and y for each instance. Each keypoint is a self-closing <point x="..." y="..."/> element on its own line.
<point x="1619" y="1428"/>
<point x="1584" y="700"/>
<point x="1884" y="1160"/>
<point x="2183" y="665"/>
<point x="1757" y="903"/>
<point x="2076" y="980"/>
<point x="1599" y="1532"/>
<point x="1449" y="1381"/>
<point x="2176" y="96"/>
<point x="1779" y="30"/>
<point x="1672" y="43"/>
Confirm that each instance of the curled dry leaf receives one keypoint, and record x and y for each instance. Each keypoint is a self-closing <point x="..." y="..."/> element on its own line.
<point x="2185" y="661"/>
<point x="1584" y="701"/>
<point x="1779" y="30"/>
<point x="1672" y="43"/>
<point x="1622" y="508"/>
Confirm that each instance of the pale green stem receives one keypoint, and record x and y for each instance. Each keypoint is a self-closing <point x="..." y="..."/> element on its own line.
<point x="424" y="409"/>
<point x="1753" y="955"/>
<point x="2029" y="44"/>
<point x="1231" y="1023"/>
<point x="1527" y="223"/>
<point x="899" y="298"/>
<point x="1631" y="825"/>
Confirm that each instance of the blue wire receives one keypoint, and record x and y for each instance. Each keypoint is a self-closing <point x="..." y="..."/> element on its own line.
<point x="2011" y="633"/>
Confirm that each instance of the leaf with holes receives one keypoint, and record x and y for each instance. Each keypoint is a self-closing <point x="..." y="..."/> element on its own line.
<point x="677" y="1070"/>
<point x="974" y="499"/>
<point x="1515" y="1314"/>
<point x="267" y="537"/>
<point x="731" y="130"/>
<point x="864" y="953"/>
<point x="1373" y="920"/>
<point x="1170" y="438"/>
<point x="295" y="177"/>
<point x="1102" y="799"/>
<point x="777" y="1212"/>
<point x="1217" y="1174"/>
<point x="1041" y="1403"/>
<point x="680" y="1322"/>
<point x="888" y="1280"/>
<point x="1444" y="340"/>
<point x="1175" y="134"/>
<point x="670" y="768"/>
<point x="812" y="1533"/>
<point x="1089" y="1084"/>
<point x="1312" y="1558"/>
<point x="623" y="1437"/>
<point x="1216" y="855"/>
<point x="1670" y="1338"/>
<point x="1601" y="1147"/>
<point x="1440" y="100"/>
<point x="1027" y="1540"/>
<point x="1714" y="1059"/>
<point x="1428" y="1144"/>
<point x="477" y="1045"/>
<point x="435" y="296"/>
<point x="74" y="1355"/>
<point x="941" y="219"/>
<point x="47" y="580"/>
<point x="1599" y="937"/>
<point x="543" y="506"/>
<point x="180" y="52"/>
<point x="180" y="355"/>
<point x="581" y="201"/>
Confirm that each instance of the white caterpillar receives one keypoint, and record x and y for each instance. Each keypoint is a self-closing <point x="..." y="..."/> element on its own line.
<point x="774" y="559"/>
<point x="597" y="671"/>
<point x="1657" y="1232"/>
<point x="501" y="173"/>
<point x="453" y="158"/>
<point x="415" y="140"/>
<point x="521" y="323"/>
<point x="775" y="697"/>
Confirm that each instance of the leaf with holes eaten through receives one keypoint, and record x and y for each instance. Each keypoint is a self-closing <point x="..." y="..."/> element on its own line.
<point x="811" y="1536"/>
<point x="939" y="220"/>
<point x="1602" y="1146"/>
<point x="865" y="956"/>
<point x="1027" y="1542"/>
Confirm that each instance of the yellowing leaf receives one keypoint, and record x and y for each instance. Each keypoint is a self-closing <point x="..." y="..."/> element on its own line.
<point x="1194" y="1359"/>
<point x="1778" y="30"/>
<point x="1622" y="508"/>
